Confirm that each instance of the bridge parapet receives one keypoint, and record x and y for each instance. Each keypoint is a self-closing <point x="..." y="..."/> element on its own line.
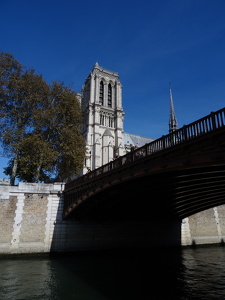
<point x="211" y="122"/>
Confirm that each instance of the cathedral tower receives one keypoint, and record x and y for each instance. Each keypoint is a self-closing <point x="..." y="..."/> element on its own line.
<point x="101" y="101"/>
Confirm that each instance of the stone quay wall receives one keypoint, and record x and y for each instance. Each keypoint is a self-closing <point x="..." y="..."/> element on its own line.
<point x="31" y="222"/>
<point x="206" y="227"/>
<point x="27" y="216"/>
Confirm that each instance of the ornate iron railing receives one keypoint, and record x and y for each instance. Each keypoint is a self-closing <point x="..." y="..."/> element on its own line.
<point x="210" y="123"/>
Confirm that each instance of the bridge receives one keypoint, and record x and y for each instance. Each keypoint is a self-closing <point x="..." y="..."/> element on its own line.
<point x="180" y="174"/>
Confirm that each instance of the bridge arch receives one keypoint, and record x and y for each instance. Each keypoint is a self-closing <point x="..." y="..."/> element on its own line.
<point x="171" y="195"/>
<point x="185" y="171"/>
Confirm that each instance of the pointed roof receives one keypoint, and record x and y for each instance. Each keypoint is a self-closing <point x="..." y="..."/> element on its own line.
<point x="173" y="124"/>
<point x="136" y="140"/>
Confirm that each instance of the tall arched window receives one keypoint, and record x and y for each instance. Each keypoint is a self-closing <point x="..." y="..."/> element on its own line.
<point x="109" y="95"/>
<point x="101" y="93"/>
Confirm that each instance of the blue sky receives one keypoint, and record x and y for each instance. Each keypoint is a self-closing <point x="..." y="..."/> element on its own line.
<point x="148" y="42"/>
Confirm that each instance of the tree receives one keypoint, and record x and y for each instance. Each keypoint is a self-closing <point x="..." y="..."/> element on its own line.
<point x="36" y="159"/>
<point x="58" y="123"/>
<point x="66" y="136"/>
<point x="13" y="115"/>
<point x="40" y="125"/>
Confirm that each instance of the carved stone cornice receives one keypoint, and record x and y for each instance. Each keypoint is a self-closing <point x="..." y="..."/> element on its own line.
<point x="108" y="75"/>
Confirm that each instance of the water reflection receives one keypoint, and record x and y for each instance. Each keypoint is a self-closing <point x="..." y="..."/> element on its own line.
<point x="146" y="274"/>
<point x="204" y="275"/>
<point x="23" y="277"/>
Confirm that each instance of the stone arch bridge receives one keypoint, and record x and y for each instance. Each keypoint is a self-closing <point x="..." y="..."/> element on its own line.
<point x="178" y="175"/>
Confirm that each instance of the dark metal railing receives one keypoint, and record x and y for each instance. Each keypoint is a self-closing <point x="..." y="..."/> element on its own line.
<point x="210" y="123"/>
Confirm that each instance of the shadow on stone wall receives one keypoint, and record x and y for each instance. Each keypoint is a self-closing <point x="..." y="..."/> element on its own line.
<point x="119" y="220"/>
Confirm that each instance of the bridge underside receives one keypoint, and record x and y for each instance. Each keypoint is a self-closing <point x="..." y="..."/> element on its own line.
<point x="168" y="195"/>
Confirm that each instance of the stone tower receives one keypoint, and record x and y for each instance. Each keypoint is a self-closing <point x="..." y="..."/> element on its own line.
<point x="101" y="101"/>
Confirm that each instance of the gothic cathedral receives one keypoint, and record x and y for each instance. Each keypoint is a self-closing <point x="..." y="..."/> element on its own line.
<point x="101" y="101"/>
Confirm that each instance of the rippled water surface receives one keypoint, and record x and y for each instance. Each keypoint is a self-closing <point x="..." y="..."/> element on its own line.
<point x="138" y="274"/>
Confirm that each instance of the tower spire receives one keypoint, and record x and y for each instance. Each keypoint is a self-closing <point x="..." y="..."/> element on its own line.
<point x="173" y="124"/>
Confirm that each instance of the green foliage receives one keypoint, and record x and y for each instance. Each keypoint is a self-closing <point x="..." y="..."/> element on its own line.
<point x="66" y="136"/>
<point x="35" y="156"/>
<point x="39" y="125"/>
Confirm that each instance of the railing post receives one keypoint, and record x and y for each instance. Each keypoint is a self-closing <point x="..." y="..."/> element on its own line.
<point x="146" y="149"/>
<point x="184" y="129"/>
<point x="212" y="115"/>
<point x="164" y="145"/>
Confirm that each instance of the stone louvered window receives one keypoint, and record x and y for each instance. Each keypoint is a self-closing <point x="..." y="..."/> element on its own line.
<point x="109" y="95"/>
<point x="101" y="93"/>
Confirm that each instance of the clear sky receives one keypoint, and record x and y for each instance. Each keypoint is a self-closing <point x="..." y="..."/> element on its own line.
<point x="148" y="42"/>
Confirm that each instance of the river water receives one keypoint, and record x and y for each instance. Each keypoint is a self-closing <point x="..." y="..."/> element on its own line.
<point x="189" y="273"/>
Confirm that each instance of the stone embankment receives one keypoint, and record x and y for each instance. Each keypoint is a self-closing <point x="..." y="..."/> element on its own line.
<point x="31" y="222"/>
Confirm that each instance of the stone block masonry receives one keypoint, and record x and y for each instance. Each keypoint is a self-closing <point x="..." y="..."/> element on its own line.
<point x="206" y="227"/>
<point x="34" y="216"/>
<point x="27" y="217"/>
<point x="31" y="222"/>
<point x="7" y="216"/>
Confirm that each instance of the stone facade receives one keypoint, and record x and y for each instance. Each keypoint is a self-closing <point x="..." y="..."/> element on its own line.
<point x="101" y="102"/>
<point x="103" y="127"/>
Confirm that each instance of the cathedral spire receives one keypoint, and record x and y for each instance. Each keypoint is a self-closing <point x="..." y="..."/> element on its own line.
<point x="173" y="125"/>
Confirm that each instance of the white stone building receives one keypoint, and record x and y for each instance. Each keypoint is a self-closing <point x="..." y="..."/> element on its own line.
<point x="101" y="101"/>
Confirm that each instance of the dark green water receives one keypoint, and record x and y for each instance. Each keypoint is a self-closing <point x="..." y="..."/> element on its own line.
<point x="135" y="274"/>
